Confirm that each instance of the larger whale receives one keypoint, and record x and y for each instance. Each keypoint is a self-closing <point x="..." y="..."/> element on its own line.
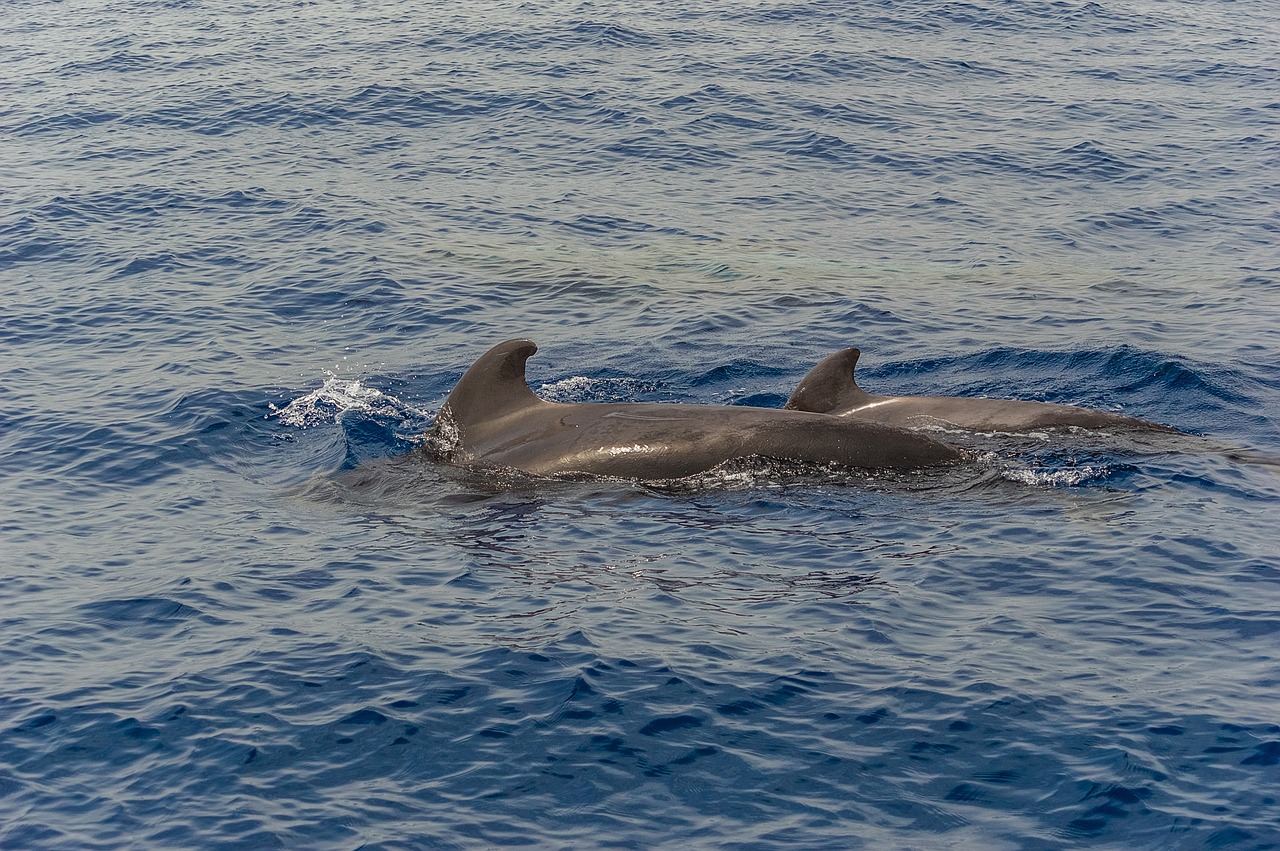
<point x="830" y="388"/>
<point x="492" y="419"/>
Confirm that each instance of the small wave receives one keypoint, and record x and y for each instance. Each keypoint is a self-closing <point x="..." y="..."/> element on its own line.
<point x="739" y="370"/>
<point x="1099" y="378"/>
<point x="760" y="473"/>
<point x="140" y="609"/>
<point x="337" y="395"/>
<point x="810" y="143"/>
<point x="580" y="34"/>
<point x="370" y="423"/>
<point x="1056" y="478"/>
<point x="582" y="389"/>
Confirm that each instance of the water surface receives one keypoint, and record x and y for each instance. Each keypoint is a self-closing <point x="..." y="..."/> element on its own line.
<point x="247" y="249"/>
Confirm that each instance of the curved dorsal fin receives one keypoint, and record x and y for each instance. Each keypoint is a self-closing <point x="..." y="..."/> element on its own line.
<point x="494" y="385"/>
<point x="830" y="386"/>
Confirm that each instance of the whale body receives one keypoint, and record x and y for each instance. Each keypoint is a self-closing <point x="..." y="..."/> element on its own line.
<point x="493" y="419"/>
<point x="830" y="388"/>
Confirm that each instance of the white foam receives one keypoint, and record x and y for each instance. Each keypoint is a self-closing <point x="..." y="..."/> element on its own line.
<point x="1055" y="478"/>
<point x="323" y="405"/>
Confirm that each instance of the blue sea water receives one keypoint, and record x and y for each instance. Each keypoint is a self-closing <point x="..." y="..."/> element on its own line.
<point x="247" y="248"/>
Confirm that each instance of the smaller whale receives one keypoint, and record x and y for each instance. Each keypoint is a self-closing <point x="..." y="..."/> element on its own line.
<point x="492" y="419"/>
<point x="830" y="388"/>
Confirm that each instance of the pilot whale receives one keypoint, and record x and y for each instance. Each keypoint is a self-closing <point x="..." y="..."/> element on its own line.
<point x="493" y="419"/>
<point x="830" y="388"/>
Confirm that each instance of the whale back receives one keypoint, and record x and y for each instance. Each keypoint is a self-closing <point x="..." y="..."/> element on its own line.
<point x="830" y="386"/>
<point x="492" y="418"/>
<point x="494" y="386"/>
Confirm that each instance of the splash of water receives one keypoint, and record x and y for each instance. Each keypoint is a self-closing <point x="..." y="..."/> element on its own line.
<point x="337" y="395"/>
<point x="1056" y="478"/>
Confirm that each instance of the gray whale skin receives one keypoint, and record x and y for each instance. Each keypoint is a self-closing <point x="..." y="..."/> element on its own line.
<point x="830" y="388"/>
<point x="493" y="419"/>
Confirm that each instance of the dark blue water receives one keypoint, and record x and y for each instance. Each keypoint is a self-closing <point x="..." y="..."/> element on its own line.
<point x="246" y="250"/>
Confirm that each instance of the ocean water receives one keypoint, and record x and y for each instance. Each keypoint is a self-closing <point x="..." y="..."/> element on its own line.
<point x="247" y="248"/>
